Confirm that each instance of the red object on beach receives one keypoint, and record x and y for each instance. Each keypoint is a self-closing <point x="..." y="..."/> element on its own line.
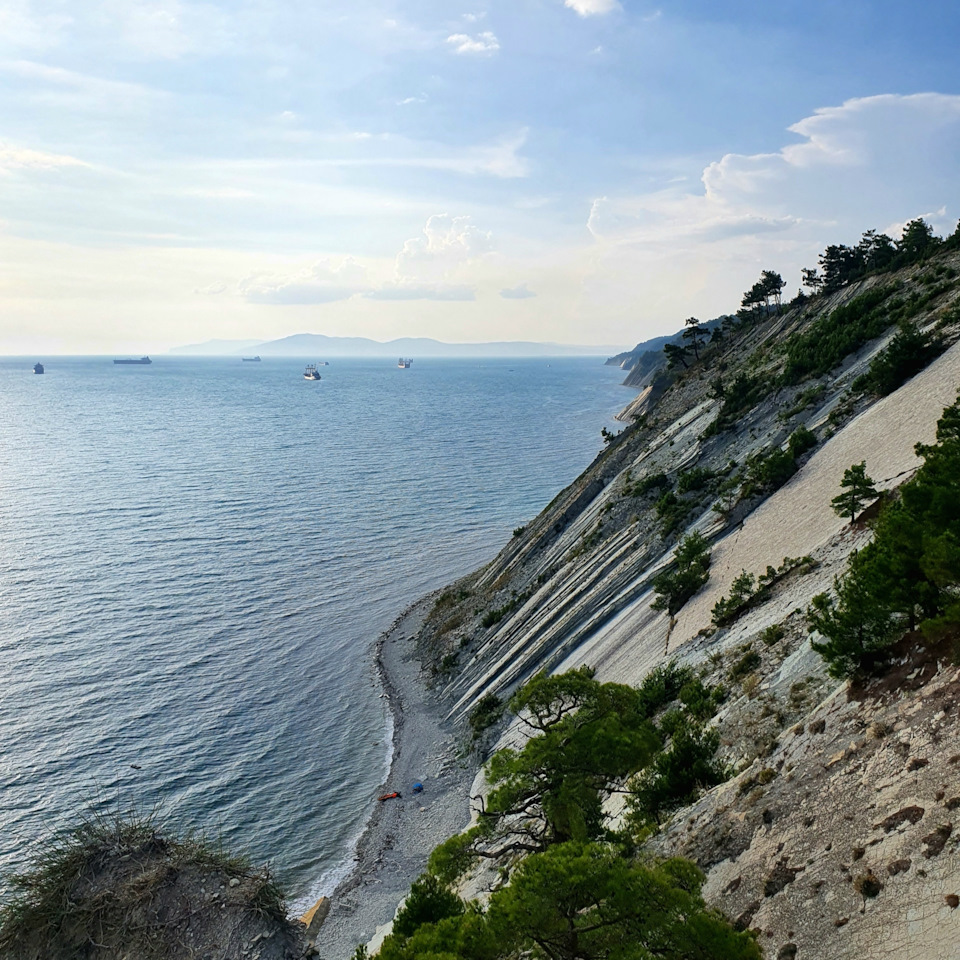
<point x="390" y="796"/>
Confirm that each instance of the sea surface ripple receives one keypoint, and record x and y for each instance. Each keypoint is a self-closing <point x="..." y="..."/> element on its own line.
<point x="196" y="558"/>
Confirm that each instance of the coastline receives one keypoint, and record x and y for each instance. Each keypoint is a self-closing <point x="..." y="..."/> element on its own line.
<point x="401" y="833"/>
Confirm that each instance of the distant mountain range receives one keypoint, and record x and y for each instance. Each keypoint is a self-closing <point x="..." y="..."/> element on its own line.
<point x="321" y="347"/>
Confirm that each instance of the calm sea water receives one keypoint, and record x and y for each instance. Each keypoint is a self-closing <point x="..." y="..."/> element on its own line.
<point x="196" y="558"/>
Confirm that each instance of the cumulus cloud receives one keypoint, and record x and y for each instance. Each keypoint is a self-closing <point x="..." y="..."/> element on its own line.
<point x="868" y="163"/>
<point x="430" y="266"/>
<point x="519" y="292"/>
<point x="445" y="244"/>
<point x="483" y="44"/>
<point x="861" y="163"/>
<point x="590" y="8"/>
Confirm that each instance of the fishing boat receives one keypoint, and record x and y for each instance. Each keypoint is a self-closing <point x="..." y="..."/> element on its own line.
<point x="403" y="364"/>
<point x="142" y="360"/>
<point x="38" y="368"/>
<point x="311" y="373"/>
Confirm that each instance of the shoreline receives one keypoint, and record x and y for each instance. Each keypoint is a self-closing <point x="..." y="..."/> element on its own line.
<point x="400" y="834"/>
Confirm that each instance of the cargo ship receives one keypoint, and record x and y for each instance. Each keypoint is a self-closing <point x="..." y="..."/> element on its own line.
<point x="141" y="360"/>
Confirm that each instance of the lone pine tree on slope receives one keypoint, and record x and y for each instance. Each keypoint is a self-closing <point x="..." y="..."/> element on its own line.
<point x="858" y="491"/>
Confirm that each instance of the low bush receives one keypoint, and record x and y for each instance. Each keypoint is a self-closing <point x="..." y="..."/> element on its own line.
<point x="485" y="714"/>
<point x="909" y="352"/>
<point x="429" y="901"/>
<point x="690" y="572"/>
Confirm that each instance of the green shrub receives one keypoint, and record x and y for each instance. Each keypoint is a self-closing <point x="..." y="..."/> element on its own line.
<point x="485" y="714"/>
<point x="726" y="610"/>
<point x="828" y="340"/>
<point x="694" y="479"/>
<point x="428" y="901"/>
<point x="801" y="440"/>
<point x="746" y="663"/>
<point x="662" y="686"/>
<point x="655" y="481"/>
<point x="672" y="512"/>
<point x="677" y="774"/>
<point x="690" y="572"/>
<point x="740" y="396"/>
<point x="909" y="352"/>
<point x="773" y="634"/>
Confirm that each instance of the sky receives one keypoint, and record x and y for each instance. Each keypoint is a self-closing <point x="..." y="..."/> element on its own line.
<point x="573" y="171"/>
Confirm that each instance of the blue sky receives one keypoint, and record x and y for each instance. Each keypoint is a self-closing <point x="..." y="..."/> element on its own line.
<point x="588" y="171"/>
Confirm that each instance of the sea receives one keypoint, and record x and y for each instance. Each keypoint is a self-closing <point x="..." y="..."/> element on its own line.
<point x="198" y="556"/>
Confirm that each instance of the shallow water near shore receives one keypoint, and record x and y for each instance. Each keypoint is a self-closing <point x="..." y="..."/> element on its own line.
<point x="196" y="558"/>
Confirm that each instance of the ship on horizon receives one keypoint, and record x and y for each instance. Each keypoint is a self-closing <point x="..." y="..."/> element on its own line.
<point x="142" y="360"/>
<point x="255" y="359"/>
<point x="403" y="364"/>
<point x="311" y="372"/>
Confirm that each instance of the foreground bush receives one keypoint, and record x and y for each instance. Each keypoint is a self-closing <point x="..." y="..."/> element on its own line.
<point x="118" y="887"/>
<point x="584" y="900"/>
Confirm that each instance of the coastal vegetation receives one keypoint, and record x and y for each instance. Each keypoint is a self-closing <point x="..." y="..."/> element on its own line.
<point x="691" y="570"/>
<point x="577" y="884"/>
<point x="123" y="885"/>
<point x="908" y="576"/>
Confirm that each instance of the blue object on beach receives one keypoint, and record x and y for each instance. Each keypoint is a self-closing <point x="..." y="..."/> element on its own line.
<point x="418" y="788"/>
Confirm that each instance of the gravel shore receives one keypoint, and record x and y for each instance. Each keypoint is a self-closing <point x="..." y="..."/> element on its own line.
<point x="401" y="833"/>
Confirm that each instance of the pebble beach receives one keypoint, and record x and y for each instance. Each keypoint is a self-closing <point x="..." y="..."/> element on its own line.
<point x="402" y="832"/>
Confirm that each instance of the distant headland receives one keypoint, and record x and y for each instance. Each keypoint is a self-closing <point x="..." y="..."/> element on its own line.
<point x="316" y="344"/>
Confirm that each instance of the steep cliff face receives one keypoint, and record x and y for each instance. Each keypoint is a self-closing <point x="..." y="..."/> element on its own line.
<point x="574" y="585"/>
<point x="838" y="836"/>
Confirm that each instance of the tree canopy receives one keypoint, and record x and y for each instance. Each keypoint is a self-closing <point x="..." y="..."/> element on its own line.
<point x="909" y="575"/>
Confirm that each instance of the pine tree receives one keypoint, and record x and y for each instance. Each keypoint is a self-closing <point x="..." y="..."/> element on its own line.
<point x="858" y="491"/>
<point x="695" y="334"/>
<point x="857" y="627"/>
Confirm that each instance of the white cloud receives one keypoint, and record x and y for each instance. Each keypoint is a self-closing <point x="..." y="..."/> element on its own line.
<point x="428" y="267"/>
<point x="165" y="29"/>
<point x="22" y="26"/>
<point x="519" y="292"/>
<point x="484" y="44"/>
<point x="868" y="163"/>
<point x="866" y="156"/>
<point x="590" y="8"/>
<point x="324" y="282"/>
<point x="422" y="291"/>
<point x="22" y="158"/>
<point x="444" y="246"/>
<point x="108" y="93"/>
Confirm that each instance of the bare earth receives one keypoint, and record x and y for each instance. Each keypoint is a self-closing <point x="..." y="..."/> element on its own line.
<point x="401" y="833"/>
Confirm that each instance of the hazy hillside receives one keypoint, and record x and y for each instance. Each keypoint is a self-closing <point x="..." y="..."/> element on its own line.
<point x="318" y="346"/>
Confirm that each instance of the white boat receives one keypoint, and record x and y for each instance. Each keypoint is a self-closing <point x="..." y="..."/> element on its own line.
<point x="403" y="364"/>
<point x="311" y="372"/>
